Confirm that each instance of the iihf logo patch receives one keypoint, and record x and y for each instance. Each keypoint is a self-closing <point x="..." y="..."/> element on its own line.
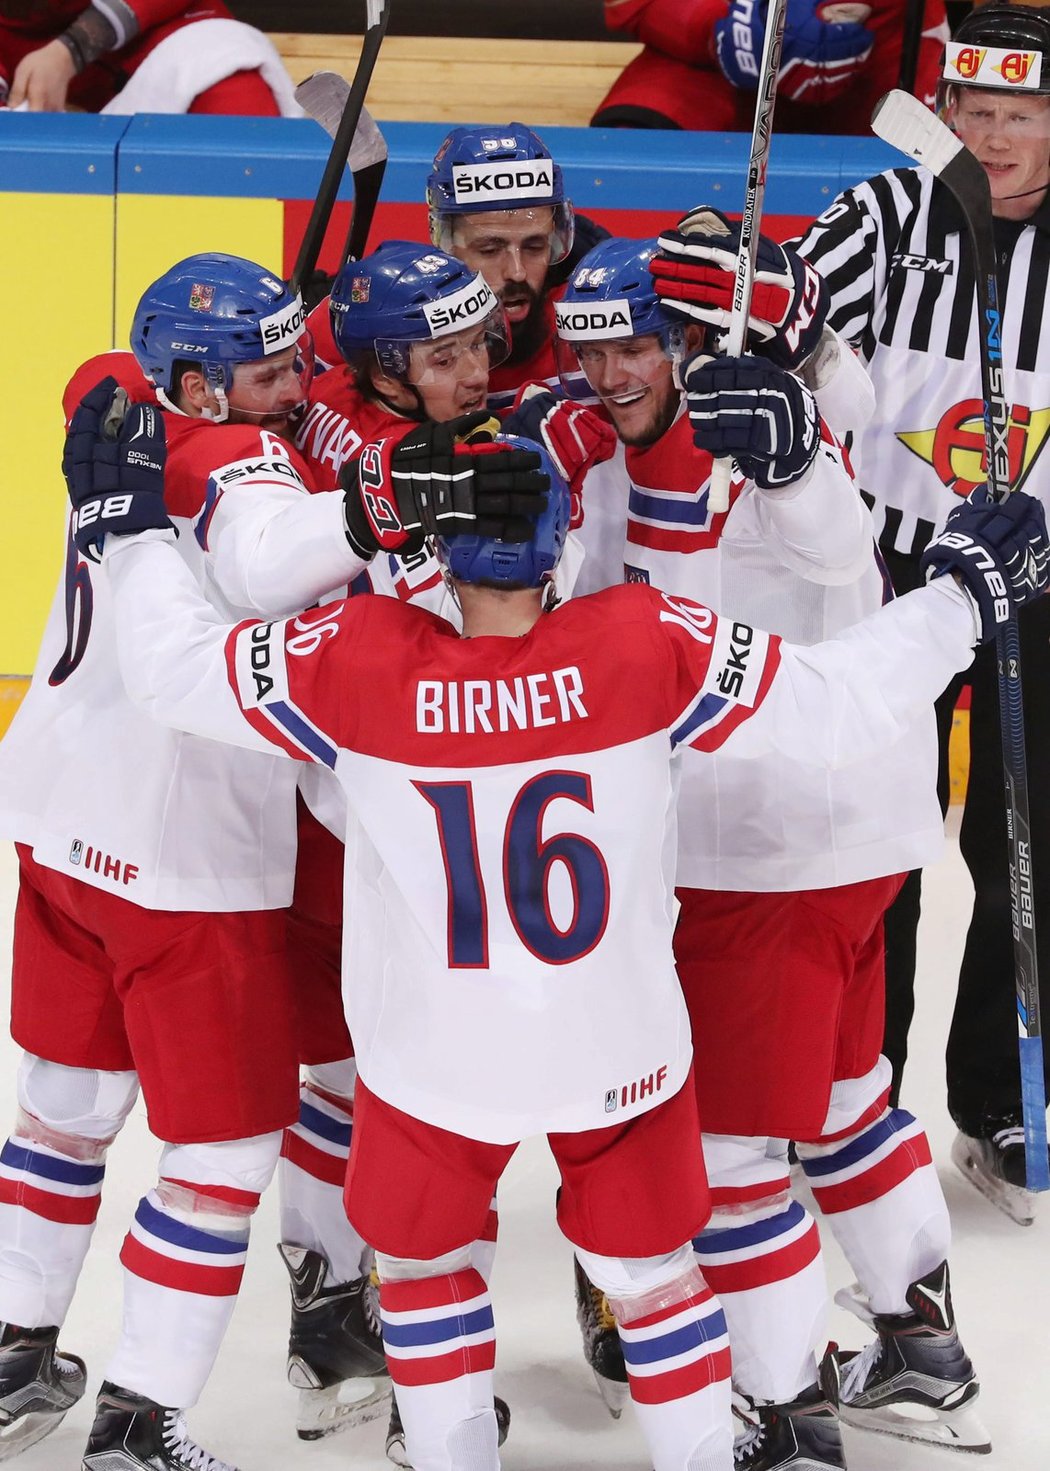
<point x="360" y="288"/>
<point x="76" y="852"/>
<point x="201" y="297"/>
<point x="610" y="1100"/>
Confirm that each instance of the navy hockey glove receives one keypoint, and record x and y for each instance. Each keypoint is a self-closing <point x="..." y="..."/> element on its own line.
<point x="825" y="47"/>
<point x="113" y="462"/>
<point x="576" y="438"/>
<point x="439" y="479"/>
<point x="695" y="272"/>
<point x="763" y="417"/>
<point x="998" y="550"/>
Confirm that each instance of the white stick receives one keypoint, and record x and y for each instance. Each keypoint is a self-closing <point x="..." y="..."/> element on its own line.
<point x="722" y="469"/>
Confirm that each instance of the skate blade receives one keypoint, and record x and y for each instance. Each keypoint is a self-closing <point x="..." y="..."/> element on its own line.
<point x="956" y="1430"/>
<point x="27" y="1430"/>
<point x="342" y="1407"/>
<point x="615" y="1396"/>
<point x="1016" y="1203"/>
<point x="395" y="1452"/>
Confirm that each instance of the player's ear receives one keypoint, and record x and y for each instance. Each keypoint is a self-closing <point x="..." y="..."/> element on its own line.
<point x="391" y="389"/>
<point x="193" y="392"/>
<point x="694" y="336"/>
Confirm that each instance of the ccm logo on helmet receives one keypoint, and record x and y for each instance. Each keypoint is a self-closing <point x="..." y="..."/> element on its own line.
<point x="282" y="328"/>
<point x="583" y="322"/>
<point x="477" y="182"/>
<point x="462" y="309"/>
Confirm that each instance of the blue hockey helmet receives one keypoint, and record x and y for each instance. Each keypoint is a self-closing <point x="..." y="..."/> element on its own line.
<point x="514" y="564"/>
<point x="507" y="167"/>
<point x="404" y="293"/>
<point x="215" y="311"/>
<point x="611" y="297"/>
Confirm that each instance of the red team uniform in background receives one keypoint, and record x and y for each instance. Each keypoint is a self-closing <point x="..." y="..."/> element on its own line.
<point x="678" y="78"/>
<point x="141" y="25"/>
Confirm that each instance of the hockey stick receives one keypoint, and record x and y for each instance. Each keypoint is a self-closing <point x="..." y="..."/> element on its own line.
<point x="902" y="120"/>
<point x="914" y="16"/>
<point x="722" y="469"/>
<point x="323" y="97"/>
<point x="313" y="237"/>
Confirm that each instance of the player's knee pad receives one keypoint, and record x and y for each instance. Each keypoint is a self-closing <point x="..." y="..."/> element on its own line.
<point x="747" y="1174"/>
<point x="855" y="1103"/>
<point x="410" y="1269"/>
<point x="225" y="1178"/>
<point x="77" y="1112"/>
<point x="637" y="1285"/>
<point x="336" y="1078"/>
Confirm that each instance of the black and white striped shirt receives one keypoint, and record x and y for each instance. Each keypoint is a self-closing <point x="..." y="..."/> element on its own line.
<point x="895" y="255"/>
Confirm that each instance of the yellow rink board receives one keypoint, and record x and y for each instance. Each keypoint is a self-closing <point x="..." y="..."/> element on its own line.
<point x="56" y="257"/>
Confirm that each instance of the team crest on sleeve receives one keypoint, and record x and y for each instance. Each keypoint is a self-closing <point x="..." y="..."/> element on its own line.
<point x="260" y="665"/>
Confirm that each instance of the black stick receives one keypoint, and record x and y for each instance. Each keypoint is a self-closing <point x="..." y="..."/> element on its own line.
<point x="313" y="237"/>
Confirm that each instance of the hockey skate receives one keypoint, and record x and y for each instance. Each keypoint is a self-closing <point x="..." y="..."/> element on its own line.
<point x="802" y="1435"/>
<point x="395" y="1431"/>
<point x="996" y="1167"/>
<point x="132" y="1433"/>
<point x="601" y="1343"/>
<point x="915" y="1380"/>
<point x="335" y="1348"/>
<point x="37" y="1386"/>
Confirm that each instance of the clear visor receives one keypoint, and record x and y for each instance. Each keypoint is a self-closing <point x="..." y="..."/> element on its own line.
<point x="481" y="347"/>
<point x="979" y="113"/>
<point x="274" y="387"/>
<point x="616" y="367"/>
<point x="503" y="233"/>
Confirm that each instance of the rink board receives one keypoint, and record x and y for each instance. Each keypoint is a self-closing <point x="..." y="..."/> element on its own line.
<point x="95" y="208"/>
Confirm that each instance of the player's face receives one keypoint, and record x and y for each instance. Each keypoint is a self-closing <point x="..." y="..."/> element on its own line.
<point x="512" y="250"/>
<point x="270" y="392"/>
<point x="633" y="377"/>
<point x="1010" y="135"/>
<point x="451" y="374"/>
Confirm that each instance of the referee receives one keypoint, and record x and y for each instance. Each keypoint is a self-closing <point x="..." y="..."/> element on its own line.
<point x="896" y="258"/>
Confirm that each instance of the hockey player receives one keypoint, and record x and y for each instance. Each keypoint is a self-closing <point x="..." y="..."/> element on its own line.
<point x="783" y="887"/>
<point x="895" y="255"/>
<point x="139" y="55"/>
<point x="699" y="68"/>
<point x="516" y="739"/>
<point x="401" y="366"/>
<point x="144" y="957"/>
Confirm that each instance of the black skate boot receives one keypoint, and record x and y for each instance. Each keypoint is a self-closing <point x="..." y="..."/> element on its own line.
<point x="37" y="1386"/>
<point x="601" y="1343"/>
<point x="335" y="1348"/>
<point x="395" y="1431"/>
<point x="802" y="1435"/>
<point x="132" y="1433"/>
<point x="915" y="1381"/>
<point x="993" y="1162"/>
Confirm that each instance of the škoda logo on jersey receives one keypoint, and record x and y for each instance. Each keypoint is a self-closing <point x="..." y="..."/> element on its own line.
<point x="992" y="66"/>
<point x="473" y="183"/>
<point x="955" y="448"/>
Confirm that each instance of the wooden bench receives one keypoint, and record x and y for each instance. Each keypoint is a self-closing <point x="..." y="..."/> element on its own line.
<point x="452" y="80"/>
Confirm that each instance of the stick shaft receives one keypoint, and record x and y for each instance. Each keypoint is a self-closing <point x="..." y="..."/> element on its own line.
<point x="751" y="220"/>
<point x="317" y="225"/>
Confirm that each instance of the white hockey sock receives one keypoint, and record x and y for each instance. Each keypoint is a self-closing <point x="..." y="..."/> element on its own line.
<point x="310" y="1179"/>
<point x="48" y="1205"/>
<point x="440" y="1344"/>
<point x="876" y="1186"/>
<point x="676" y="1350"/>
<point x="183" y="1260"/>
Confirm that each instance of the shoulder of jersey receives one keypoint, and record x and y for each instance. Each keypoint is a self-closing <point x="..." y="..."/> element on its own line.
<point x="119" y="365"/>
<point x="319" y="325"/>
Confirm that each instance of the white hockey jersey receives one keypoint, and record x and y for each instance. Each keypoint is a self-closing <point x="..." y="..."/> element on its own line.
<point x="510" y="841"/>
<point x="802" y="563"/>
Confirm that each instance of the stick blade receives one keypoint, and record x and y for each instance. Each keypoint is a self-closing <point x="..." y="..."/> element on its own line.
<point x="322" y="96"/>
<point x="903" y="121"/>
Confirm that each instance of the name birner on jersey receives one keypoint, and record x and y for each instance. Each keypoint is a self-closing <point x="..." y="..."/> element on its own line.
<point x="485" y="706"/>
